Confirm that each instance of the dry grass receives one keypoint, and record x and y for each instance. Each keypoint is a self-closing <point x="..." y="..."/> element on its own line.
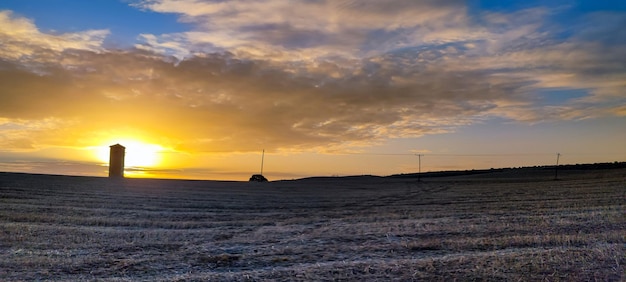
<point x="487" y="227"/>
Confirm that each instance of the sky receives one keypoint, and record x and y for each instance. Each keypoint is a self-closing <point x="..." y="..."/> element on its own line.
<point x="198" y="89"/>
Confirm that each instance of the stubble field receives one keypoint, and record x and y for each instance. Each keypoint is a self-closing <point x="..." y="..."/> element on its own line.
<point x="512" y="225"/>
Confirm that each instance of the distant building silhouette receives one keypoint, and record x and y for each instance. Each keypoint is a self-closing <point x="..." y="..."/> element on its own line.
<point x="258" y="178"/>
<point x="116" y="161"/>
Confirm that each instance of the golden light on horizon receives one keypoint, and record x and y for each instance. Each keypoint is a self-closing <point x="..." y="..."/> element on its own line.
<point x="498" y="86"/>
<point x="138" y="153"/>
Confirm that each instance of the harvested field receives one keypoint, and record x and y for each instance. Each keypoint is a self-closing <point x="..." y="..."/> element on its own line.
<point x="514" y="225"/>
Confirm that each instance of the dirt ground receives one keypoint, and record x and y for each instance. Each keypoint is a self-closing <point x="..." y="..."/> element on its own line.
<point x="513" y="225"/>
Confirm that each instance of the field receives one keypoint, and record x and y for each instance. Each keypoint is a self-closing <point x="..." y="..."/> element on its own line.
<point x="501" y="226"/>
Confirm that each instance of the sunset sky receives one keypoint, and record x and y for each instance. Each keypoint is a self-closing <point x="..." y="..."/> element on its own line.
<point x="198" y="88"/>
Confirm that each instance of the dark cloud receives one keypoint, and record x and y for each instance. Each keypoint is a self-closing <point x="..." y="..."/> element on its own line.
<point x="220" y="103"/>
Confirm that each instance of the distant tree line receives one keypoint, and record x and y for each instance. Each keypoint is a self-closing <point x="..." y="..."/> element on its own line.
<point x="613" y="165"/>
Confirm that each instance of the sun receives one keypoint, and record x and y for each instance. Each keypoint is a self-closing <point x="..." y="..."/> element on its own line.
<point x="138" y="154"/>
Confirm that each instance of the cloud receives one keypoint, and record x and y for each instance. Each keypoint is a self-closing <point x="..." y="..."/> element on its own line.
<point x="20" y="135"/>
<point x="318" y="75"/>
<point x="220" y="103"/>
<point x="282" y="30"/>
<point x="22" y="40"/>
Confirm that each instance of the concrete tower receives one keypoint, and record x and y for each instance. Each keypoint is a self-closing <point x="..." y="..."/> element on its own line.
<point x="116" y="161"/>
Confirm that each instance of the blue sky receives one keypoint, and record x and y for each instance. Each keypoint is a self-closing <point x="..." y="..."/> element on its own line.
<point x="124" y="21"/>
<point x="312" y="82"/>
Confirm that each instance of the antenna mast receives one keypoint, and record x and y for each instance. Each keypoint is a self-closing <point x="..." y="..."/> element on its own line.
<point x="262" y="158"/>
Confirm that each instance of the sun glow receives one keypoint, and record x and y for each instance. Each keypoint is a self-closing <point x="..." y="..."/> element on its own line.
<point x="138" y="154"/>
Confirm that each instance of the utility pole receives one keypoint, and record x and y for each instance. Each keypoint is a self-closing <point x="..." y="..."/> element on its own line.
<point x="419" y="167"/>
<point x="556" y="168"/>
<point x="262" y="158"/>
